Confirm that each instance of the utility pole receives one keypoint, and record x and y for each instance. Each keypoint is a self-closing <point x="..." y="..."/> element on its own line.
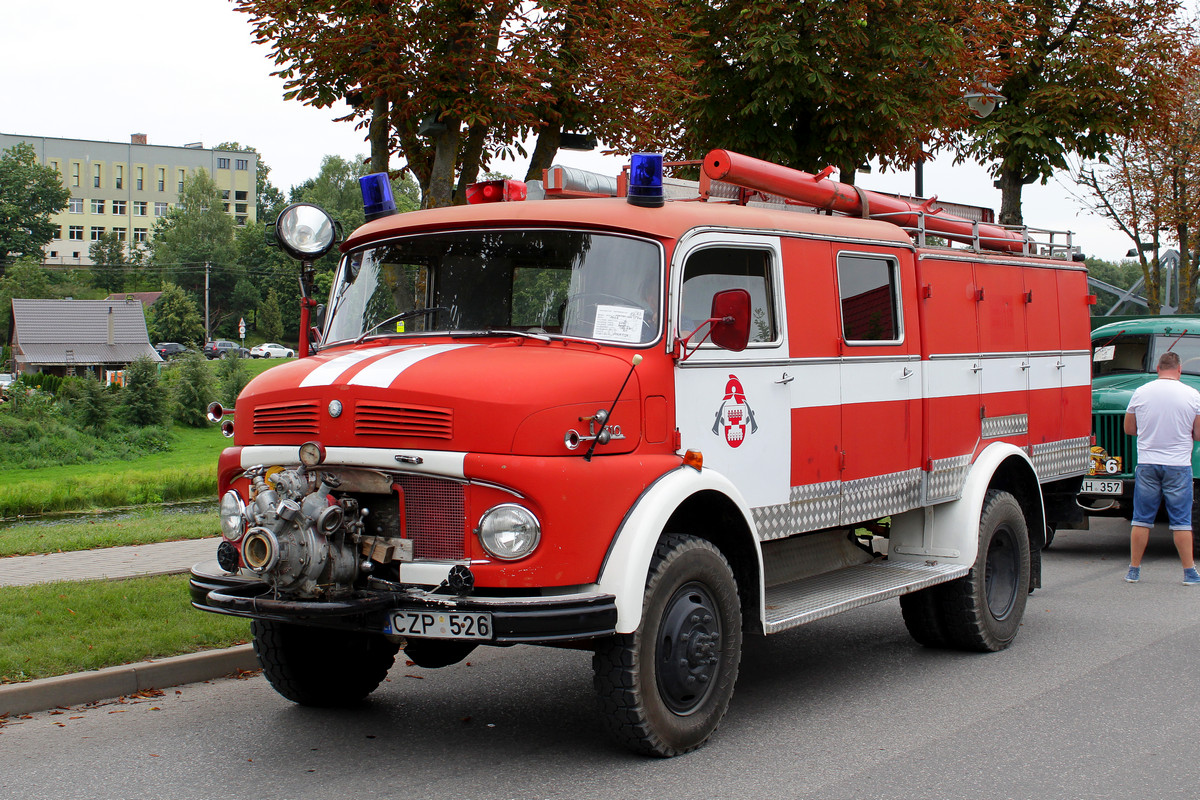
<point x="207" y="335"/>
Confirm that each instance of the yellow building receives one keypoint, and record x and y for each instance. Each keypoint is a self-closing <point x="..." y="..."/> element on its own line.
<point x="125" y="187"/>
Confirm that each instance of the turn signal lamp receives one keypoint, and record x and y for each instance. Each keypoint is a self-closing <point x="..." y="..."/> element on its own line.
<point x="646" y="180"/>
<point x="496" y="192"/>
<point x="694" y="459"/>
<point x="377" y="196"/>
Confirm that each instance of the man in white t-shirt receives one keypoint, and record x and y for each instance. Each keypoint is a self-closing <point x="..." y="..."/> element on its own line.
<point x="1164" y="415"/>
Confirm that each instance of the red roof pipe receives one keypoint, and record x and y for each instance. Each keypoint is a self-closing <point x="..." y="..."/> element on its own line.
<point x="820" y="192"/>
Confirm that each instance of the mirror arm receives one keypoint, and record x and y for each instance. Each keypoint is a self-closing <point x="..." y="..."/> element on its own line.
<point x="687" y="340"/>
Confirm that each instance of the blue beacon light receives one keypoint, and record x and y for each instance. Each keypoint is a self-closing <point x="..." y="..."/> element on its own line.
<point x="377" y="196"/>
<point x="646" y="180"/>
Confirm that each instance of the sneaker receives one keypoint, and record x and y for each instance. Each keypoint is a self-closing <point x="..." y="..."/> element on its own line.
<point x="1191" y="577"/>
<point x="1135" y="574"/>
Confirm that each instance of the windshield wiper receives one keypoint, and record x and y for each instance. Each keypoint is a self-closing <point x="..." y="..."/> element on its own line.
<point x="416" y="312"/>
<point x="541" y="337"/>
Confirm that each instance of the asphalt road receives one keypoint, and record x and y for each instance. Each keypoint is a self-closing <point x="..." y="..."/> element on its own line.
<point x="1097" y="698"/>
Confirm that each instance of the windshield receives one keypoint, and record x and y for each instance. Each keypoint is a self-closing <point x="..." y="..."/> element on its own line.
<point x="1141" y="353"/>
<point x="545" y="282"/>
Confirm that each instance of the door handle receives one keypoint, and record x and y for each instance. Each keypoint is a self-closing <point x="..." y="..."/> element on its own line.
<point x="908" y="373"/>
<point x="786" y="379"/>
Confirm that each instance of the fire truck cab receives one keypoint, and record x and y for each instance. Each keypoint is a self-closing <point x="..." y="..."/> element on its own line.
<point x="649" y="427"/>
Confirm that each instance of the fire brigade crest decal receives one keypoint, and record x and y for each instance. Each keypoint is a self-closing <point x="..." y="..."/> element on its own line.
<point x="734" y="414"/>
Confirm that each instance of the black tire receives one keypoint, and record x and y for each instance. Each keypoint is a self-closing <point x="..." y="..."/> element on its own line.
<point x="664" y="688"/>
<point x="1049" y="537"/>
<point x="321" y="667"/>
<point x="982" y="611"/>
<point x="922" y="618"/>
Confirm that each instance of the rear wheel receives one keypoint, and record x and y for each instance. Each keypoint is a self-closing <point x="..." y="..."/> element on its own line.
<point x="922" y="617"/>
<point x="982" y="611"/>
<point x="321" y="666"/>
<point x="664" y="688"/>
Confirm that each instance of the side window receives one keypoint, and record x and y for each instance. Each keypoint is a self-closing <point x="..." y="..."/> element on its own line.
<point x="869" y="296"/>
<point x="714" y="269"/>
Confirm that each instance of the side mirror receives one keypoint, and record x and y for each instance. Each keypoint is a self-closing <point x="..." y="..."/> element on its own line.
<point x="730" y="318"/>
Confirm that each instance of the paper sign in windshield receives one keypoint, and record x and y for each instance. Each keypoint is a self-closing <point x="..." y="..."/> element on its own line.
<point x="619" y="323"/>
<point x="1105" y="353"/>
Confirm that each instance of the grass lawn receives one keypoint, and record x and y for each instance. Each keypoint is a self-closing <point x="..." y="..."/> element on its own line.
<point x="187" y="471"/>
<point x="138" y="526"/>
<point x="60" y="628"/>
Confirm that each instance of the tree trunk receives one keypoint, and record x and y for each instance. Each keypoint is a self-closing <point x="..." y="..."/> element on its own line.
<point x="439" y="191"/>
<point x="1186" y="271"/>
<point x="1011" y="183"/>
<point x="472" y="156"/>
<point x="544" y="151"/>
<point x="378" y="133"/>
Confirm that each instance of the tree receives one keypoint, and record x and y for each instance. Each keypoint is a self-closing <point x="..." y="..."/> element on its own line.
<point x="270" y="322"/>
<point x="143" y="400"/>
<point x="449" y="84"/>
<point x="93" y="406"/>
<point x="246" y="296"/>
<point x="1148" y="186"/>
<point x="232" y="378"/>
<point x="197" y="235"/>
<point x="194" y="390"/>
<point x="27" y="279"/>
<point x="175" y="318"/>
<point x="813" y="84"/>
<point x="109" y="263"/>
<point x="29" y="194"/>
<point x="1078" y="73"/>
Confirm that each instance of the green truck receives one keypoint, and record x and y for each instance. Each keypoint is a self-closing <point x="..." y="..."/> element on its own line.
<point x="1124" y="355"/>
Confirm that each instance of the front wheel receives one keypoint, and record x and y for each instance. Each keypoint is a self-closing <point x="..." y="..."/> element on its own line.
<point x="664" y="688"/>
<point x="321" y="667"/>
<point x="982" y="611"/>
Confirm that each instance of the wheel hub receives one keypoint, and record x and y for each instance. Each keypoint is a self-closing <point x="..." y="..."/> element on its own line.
<point x="689" y="649"/>
<point x="1001" y="573"/>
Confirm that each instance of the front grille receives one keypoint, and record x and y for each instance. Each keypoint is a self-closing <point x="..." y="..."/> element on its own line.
<point x="394" y="419"/>
<point x="286" y="418"/>
<point x="1110" y="434"/>
<point x="433" y="516"/>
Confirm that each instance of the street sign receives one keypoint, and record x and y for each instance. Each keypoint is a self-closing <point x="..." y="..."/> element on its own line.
<point x="242" y="329"/>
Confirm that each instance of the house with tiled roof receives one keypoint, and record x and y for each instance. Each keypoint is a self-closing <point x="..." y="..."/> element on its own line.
<point x="68" y="337"/>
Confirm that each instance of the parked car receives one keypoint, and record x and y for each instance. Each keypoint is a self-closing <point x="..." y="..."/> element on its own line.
<point x="1125" y="356"/>
<point x="223" y="347"/>
<point x="272" y="350"/>
<point x="170" y="349"/>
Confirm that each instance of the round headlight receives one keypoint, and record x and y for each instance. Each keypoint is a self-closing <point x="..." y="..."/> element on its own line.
<point x="306" y="232"/>
<point x="233" y="516"/>
<point x="509" y="532"/>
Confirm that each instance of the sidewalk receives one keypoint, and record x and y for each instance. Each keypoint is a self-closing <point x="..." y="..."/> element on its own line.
<point x="139" y="561"/>
<point x="165" y="558"/>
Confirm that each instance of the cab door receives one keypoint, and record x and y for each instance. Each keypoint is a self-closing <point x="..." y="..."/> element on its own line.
<point x="880" y="382"/>
<point x="734" y="407"/>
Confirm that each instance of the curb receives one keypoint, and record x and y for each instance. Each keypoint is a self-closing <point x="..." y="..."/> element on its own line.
<point x="110" y="682"/>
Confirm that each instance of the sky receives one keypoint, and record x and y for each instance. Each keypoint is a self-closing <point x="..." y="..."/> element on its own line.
<point x="184" y="71"/>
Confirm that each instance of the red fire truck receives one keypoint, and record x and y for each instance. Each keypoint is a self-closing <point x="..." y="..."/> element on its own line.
<point x="649" y="425"/>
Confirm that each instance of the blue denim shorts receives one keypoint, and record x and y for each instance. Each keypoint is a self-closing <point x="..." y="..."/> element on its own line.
<point x="1171" y="485"/>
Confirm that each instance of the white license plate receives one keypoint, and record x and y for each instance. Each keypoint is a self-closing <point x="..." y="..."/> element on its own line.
<point x="1100" y="486"/>
<point x="442" y="624"/>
